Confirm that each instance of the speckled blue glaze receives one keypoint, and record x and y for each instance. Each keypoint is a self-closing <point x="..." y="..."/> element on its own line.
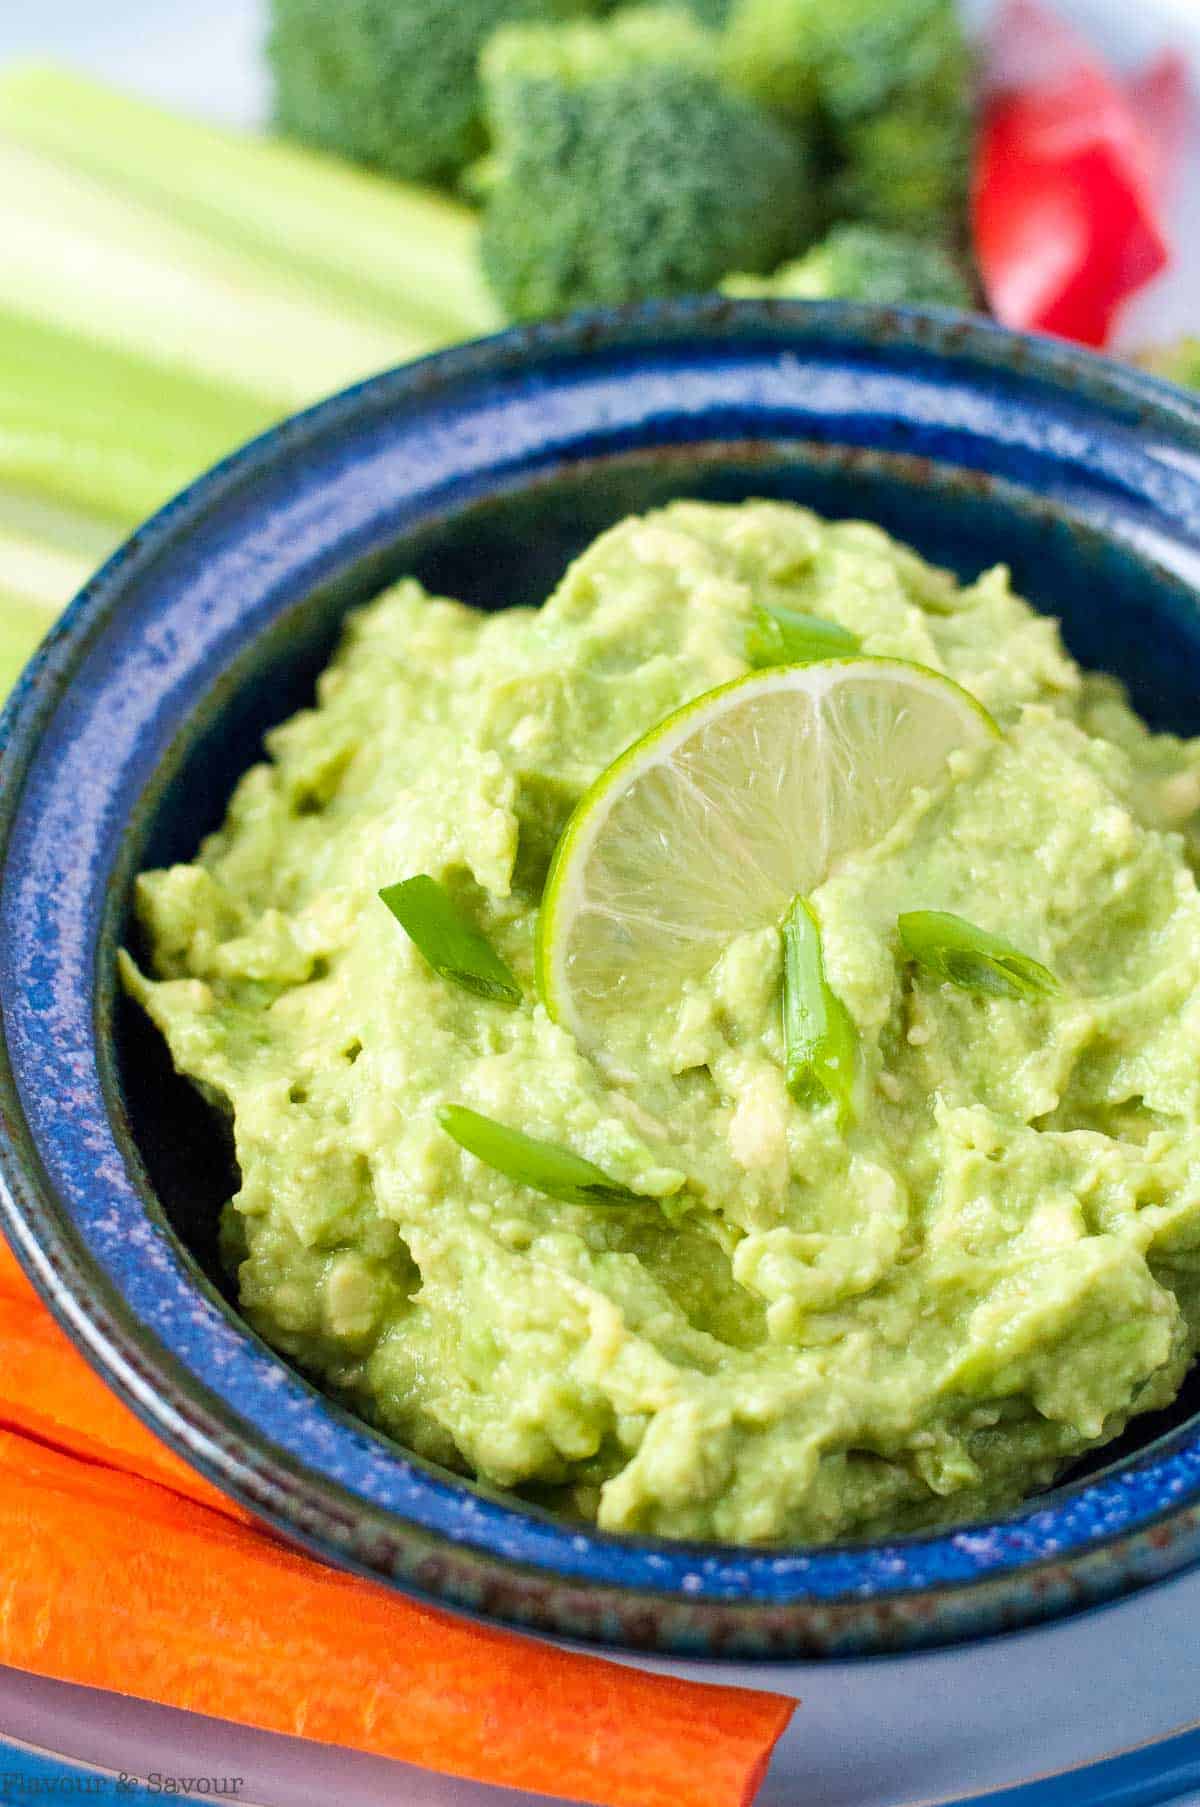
<point x="476" y="467"/>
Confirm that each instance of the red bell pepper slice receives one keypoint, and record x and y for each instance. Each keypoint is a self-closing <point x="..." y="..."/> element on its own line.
<point x="1069" y="177"/>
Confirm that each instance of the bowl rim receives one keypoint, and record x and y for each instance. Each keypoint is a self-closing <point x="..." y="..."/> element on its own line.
<point x="498" y="1557"/>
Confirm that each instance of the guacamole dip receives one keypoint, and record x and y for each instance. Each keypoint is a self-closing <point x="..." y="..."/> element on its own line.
<point x="805" y="1326"/>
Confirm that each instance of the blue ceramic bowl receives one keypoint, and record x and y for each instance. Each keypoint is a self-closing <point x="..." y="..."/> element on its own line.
<point x="484" y="470"/>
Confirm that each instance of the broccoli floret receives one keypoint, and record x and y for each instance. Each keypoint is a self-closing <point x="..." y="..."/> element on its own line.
<point x="1178" y="362"/>
<point x="908" y="168"/>
<point x="888" y="86"/>
<point x="390" y="82"/>
<point x="771" y="52"/>
<point x="866" y="263"/>
<point x="853" y="58"/>
<point x="713" y="13"/>
<point x="624" y="167"/>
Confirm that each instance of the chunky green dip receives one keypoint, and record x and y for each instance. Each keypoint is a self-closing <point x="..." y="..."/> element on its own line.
<point x="805" y="1327"/>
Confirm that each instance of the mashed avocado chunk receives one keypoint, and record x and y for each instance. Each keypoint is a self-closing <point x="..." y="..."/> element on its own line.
<point x="802" y="1326"/>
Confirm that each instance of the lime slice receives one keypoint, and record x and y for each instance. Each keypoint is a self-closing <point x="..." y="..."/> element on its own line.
<point x="713" y="822"/>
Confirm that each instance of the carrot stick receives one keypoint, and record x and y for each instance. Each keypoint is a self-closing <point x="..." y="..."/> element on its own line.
<point x="117" y="1583"/>
<point x="48" y="1391"/>
<point x="12" y="1274"/>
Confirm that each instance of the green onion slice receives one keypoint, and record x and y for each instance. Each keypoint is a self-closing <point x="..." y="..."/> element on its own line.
<point x="952" y="948"/>
<point x="819" y="1036"/>
<point x="544" y="1166"/>
<point x="780" y="636"/>
<point x="453" y="947"/>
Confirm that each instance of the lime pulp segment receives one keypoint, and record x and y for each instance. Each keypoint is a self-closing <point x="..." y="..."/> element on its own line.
<point x="716" y="819"/>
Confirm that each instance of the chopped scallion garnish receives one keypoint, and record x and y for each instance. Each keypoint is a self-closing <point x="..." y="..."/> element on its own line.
<point x="820" y="1038"/>
<point x="780" y="636"/>
<point x="954" y="949"/>
<point x="454" y="947"/>
<point x="543" y="1166"/>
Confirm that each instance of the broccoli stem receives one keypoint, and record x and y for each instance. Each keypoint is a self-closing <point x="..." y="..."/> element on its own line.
<point x="404" y="255"/>
<point x="95" y="428"/>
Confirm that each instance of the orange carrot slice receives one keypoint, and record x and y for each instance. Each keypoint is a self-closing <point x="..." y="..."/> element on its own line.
<point x="12" y="1274"/>
<point x="48" y="1391"/>
<point x="117" y="1583"/>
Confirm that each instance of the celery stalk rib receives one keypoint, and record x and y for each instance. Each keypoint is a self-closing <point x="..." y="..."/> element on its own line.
<point x="93" y="263"/>
<point x="89" y="426"/>
<point x="38" y="576"/>
<point x="47" y="553"/>
<point x="37" y="580"/>
<point x="51" y="522"/>
<point x="405" y="255"/>
<point x="167" y="290"/>
<point x="22" y="625"/>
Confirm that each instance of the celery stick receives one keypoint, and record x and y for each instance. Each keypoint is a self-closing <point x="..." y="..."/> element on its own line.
<point x="50" y="523"/>
<point x="402" y="252"/>
<point x="38" y="575"/>
<point x="37" y="580"/>
<point x="89" y="426"/>
<point x="91" y="262"/>
<point x="47" y="553"/>
<point x="22" y="625"/>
